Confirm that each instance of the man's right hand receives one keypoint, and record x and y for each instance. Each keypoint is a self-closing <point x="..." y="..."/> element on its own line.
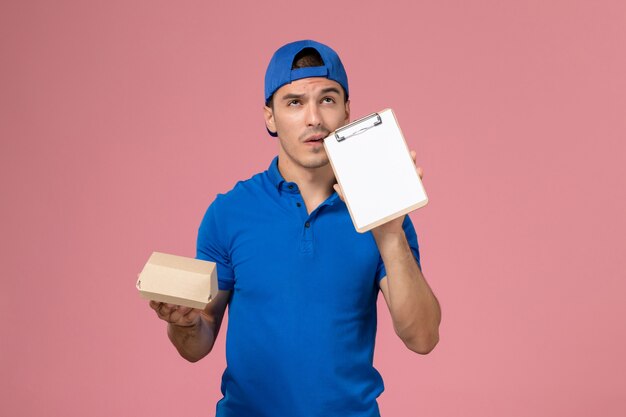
<point x="176" y="315"/>
<point x="190" y="330"/>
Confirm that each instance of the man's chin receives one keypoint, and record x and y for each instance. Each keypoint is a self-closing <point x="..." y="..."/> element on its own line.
<point x="313" y="163"/>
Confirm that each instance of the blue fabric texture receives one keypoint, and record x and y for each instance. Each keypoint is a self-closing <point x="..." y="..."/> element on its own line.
<point x="302" y="317"/>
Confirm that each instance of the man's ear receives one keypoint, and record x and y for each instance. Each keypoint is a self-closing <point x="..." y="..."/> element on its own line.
<point x="268" y="114"/>
<point x="347" y="104"/>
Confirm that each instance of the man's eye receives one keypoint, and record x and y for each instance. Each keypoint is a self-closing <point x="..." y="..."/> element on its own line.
<point x="293" y="103"/>
<point x="328" y="100"/>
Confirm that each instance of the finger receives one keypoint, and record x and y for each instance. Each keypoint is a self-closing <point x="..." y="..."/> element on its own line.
<point x="184" y="310"/>
<point x="179" y="313"/>
<point x="420" y="172"/>
<point x="339" y="191"/>
<point x="163" y="309"/>
<point x="413" y="155"/>
<point x="188" y="318"/>
<point x="179" y="319"/>
<point x="166" y="310"/>
<point x="159" y="308"/>
<point x="174" y="317"/>
<point x="192" y="316"/>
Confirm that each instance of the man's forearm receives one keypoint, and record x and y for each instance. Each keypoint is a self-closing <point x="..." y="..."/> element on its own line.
<point x="414" y="308"/>
<point x="194" y="342"/>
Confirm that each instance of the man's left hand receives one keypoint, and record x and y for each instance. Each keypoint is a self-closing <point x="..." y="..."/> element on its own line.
<point x="395" y="225"/>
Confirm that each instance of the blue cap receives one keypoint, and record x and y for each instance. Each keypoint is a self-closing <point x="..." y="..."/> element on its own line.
<point x="279" y="70"/>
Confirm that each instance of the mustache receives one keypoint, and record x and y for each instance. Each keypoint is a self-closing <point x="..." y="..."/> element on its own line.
<point x="314" y="131"/>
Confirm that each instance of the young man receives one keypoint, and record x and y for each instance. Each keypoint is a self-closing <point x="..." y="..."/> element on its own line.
<point x="301" y="284"/>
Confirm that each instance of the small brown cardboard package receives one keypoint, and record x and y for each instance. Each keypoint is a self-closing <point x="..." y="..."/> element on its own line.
<point x="178" y="280"/>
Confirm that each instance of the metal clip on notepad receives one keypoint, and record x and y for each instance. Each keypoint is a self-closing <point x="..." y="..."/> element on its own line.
<point x="357" y="127"/>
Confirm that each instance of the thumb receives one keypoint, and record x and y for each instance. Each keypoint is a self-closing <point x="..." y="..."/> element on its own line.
<point x="337" y="188"/>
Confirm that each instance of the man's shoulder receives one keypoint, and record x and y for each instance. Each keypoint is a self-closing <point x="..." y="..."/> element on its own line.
<point x="232" y="204"/>
<point x="242" y="192"/>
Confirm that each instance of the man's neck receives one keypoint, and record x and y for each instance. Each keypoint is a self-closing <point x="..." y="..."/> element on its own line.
<point x="315" y="184"/>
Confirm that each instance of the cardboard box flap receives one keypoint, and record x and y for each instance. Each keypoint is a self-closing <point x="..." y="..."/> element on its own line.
<point x="178" y="280"/>
<point x="180" y="262"/>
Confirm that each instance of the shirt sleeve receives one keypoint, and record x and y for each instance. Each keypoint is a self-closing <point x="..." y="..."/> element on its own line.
<point x="411" y="237"/>
<point x="211" y="246"/>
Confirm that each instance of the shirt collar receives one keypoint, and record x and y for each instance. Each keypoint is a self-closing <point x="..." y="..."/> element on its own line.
<point x="279" y="182"/>
<point x="274" y="174"/>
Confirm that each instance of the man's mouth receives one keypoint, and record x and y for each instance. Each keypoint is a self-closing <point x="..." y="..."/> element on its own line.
<point x="315" y="139"/>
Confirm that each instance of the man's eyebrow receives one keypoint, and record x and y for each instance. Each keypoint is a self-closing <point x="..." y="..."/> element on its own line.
<point x="331" y="90"/>
<point x="291" y="96"/>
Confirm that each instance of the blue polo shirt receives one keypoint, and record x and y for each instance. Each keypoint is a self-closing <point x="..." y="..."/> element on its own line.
<point x="302" y="317"/>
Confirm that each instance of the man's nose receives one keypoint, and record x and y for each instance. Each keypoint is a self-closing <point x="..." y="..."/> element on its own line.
<point x="313" y="116"/>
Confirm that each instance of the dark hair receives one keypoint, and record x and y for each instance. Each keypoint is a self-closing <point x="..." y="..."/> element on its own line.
<point x="308" y="57"/>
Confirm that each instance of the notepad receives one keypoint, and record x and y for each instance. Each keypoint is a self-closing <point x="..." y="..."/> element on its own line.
<point x="373" y="165"/>
<point x="178" y="280"/>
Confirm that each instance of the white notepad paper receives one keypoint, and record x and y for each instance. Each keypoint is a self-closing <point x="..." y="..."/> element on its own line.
<point x="373" y="165"/>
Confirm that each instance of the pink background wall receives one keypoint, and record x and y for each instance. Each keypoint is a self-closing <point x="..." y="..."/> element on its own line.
<point x="121" y="120"/>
